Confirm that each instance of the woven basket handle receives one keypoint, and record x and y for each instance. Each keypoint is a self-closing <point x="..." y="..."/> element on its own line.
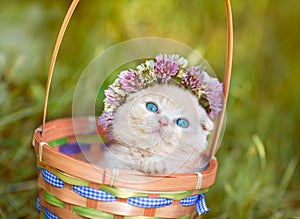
<point x="227" y="74"/>
<point x="53" y="59"/>
<point x="227" y="78"/>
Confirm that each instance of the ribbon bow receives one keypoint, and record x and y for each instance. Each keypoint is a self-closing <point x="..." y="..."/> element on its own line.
<point x="201" y="206"/>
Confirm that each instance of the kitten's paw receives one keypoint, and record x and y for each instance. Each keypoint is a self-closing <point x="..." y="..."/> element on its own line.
<point x="151" y="166"/>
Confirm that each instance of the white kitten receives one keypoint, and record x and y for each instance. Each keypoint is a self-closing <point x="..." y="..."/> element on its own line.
<point x="160" y="129"/>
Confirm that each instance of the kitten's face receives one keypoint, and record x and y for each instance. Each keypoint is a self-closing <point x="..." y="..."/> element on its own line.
<point x="162" y="118"/>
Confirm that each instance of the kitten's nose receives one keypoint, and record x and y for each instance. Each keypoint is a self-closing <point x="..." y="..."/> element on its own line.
<point x="163" y="121"/>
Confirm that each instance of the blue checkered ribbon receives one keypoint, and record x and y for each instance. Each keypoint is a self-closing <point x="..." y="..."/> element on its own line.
<point x="191" y="200"/>
<point x="37" y="204"/>
<point x="94" y="194"/>
<point x="145" y="202"/>
<point x="52" y="179"/>
<point x="142" y="202"/>
<point x="199" y="200"/>
<point x="201" y="205"/>
<point x="49" y="215"/>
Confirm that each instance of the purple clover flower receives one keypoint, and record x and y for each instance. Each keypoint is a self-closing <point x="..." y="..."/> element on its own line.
<point x="194" y="77"/>
<point x="129" y="81"/>
<point x="166" y="67"/>
<point x="112" y="97"/>
<point x="214" y="94"/>
<point x="106" y="122"/>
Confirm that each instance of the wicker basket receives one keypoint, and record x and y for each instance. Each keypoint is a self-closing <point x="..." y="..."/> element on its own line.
<point x="72" y="187"/>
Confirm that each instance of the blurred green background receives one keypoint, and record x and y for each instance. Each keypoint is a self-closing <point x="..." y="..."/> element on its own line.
<point x="258" y="174"/>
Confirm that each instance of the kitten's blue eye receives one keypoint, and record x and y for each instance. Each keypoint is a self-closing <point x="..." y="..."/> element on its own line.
<point x="183" y="123"/>
<point x="152" y="107"/>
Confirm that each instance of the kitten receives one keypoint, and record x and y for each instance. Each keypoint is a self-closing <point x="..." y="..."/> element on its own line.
<point x="160" y="129"/>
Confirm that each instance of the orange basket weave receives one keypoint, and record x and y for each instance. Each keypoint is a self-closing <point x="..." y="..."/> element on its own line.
<point x="72" y="187"/>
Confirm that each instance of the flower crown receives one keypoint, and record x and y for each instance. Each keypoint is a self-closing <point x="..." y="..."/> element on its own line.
<point x="164" y="69"/>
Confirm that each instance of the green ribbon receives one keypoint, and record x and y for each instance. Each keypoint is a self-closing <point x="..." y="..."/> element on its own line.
<point x="52" y="199"/>
<point x="91" y="213"/>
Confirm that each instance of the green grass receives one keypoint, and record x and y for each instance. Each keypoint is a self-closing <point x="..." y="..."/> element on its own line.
<point x="258" y="175"/>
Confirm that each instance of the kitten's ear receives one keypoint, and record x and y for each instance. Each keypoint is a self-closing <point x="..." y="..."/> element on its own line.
<point x="207" y="125"/>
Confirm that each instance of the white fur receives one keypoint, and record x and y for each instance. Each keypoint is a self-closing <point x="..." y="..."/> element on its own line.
<point x="143" y="145"/>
